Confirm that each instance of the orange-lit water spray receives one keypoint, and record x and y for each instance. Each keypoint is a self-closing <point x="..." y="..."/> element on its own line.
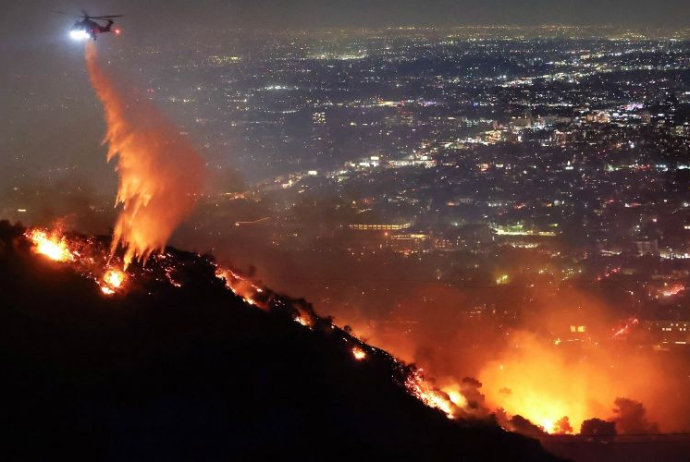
<point x="160" y="172"/>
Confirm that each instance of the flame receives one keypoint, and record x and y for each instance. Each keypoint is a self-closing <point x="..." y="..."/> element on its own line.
<point x="419" y="386"/>
<point x="86" y="259"/>
<point x="455" y="396"/>
<point x="415" y="381"/>
<point x="548" y="425"/>
<point x="52" y="246"/>
<point x="112" y="281"/>
<point x="541" y="403"/>
<point x="359" y="354"/>
<point x="538" y="383"/>
<point x="244" y="288"/>
<point x="160" y="173"/>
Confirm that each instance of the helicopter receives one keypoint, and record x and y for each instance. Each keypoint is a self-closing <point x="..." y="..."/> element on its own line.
<point x="87" y="27"/>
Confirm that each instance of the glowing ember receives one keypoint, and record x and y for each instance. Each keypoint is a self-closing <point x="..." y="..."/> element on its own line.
<point x="673" y="290"/>
<point x="359" y="354"/>
<point x="52" y="246"/>
<point x="625" y="330"/>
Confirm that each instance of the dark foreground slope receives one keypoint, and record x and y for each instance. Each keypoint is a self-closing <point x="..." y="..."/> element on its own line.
<point x="193" y="373"/>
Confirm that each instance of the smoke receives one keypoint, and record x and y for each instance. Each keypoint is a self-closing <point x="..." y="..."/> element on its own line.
<point x="534" y="365"/>
<point x="160" y="173"/>
<point x="70" y="203"/>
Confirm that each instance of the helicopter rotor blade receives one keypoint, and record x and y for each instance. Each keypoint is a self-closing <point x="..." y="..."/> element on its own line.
<point x="66" y="14"/>
<point x="85" y="15"/>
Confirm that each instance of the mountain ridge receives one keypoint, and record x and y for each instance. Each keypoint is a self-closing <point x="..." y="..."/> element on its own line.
<point x="191" y="371"/>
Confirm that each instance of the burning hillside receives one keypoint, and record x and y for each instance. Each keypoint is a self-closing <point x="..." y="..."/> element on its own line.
<point x="89" y="258"/>
<point x="181" y="355"/>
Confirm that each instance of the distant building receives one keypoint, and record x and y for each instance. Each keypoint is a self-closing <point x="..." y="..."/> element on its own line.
<point x="379" y="226"/>
<point x="669" y="332"/>
<point x="647" y="247"/>
<point x="408" y="243"/>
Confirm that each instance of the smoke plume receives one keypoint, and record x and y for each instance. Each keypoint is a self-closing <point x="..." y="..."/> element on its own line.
<point x="160" y="172"/>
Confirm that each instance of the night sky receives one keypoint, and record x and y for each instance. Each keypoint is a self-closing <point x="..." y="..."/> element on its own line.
<point x="40" y="63"/>
<point x="318" y="13"/>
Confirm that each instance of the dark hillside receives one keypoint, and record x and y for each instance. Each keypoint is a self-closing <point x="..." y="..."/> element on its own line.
<point x="194" y="373"/>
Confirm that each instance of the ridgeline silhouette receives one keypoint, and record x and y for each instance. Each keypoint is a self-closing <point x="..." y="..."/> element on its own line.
<point x="194" y="373"/>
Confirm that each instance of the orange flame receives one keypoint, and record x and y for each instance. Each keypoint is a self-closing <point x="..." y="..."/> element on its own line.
<point x="538" y="382"/>
<point x="242" y="287"/>
<point x="419" y="386"/>
<point x="160" y="173"/>
<point x="112" y="281"/>
<point x="52" y="246"/>
<point x="359" y="354"/>
<point x="450" y="400"/>
<point x="455" y="396"/>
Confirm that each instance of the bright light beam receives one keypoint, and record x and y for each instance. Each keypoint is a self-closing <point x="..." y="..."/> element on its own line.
<point x="79" y="34"/>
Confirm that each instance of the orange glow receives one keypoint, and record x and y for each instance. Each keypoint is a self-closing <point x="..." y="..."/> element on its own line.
<point x="540" y="382"/>
<point x="52" y="246"/>
<point x="673" y="290"/>
<point x="302" y="321"/>
<point x="562" y="362"/>
<point x="625" y="330"/>
<point x="455" y="396"/>
<point x="83" y="256"/>
<point x="160" y="173"/>
<point x="548" y="425"/>
<point x="537" y="391"/>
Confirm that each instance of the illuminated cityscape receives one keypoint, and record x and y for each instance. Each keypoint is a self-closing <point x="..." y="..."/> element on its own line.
<point x="495" y="204"/>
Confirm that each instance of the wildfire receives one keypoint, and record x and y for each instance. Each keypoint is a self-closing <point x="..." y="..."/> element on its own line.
<point x="359" y="354"/>
<point x="545" y="384"/>
<point x="455" y="396"/>
<point x="548" y="425"/>
<point x="88" y="259"/>
<point x="239" y="285"/>
<point x="112" y="281"/>
<point x="254" y="295"/>
<point x="450" y="402"/>
<point x="538" y="387"/>
<point x="52" y="246"/>
<point x="420" y="387"/>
